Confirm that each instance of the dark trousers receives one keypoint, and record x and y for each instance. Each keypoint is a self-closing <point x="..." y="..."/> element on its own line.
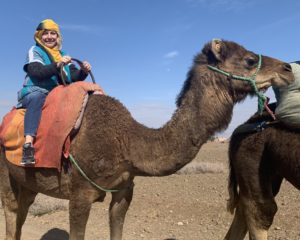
<point x="33" y="102"/>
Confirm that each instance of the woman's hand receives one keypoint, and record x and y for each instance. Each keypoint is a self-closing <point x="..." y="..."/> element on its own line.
<point x="86" y="67"/>
<point x="63" y="61"/>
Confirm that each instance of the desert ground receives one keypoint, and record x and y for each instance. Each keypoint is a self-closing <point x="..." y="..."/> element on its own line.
<point x="190" y="205"/>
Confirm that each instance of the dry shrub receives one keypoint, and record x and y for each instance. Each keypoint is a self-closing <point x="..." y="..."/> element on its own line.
<point x="44" y="204"/>
<point x="202" y="167"/>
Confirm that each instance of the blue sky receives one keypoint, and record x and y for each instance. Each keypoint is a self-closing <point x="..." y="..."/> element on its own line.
<point x="141" y="50"/>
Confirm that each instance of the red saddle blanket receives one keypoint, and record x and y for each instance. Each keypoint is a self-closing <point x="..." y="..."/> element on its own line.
<point x="61" y="110"/>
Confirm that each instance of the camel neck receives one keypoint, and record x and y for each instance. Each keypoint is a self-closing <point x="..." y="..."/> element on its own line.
<point x="203" y="110"/>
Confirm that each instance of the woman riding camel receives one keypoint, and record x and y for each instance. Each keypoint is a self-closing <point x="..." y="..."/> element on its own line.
<point x="42" y="68"/>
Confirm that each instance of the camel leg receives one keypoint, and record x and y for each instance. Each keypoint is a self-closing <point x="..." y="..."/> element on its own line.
<point x="79" y="210"/>
<point x="16" y="201"/>
<point x="259" y="216"/>
<point x="118" y="207"/>
<point x="238" y="228"/>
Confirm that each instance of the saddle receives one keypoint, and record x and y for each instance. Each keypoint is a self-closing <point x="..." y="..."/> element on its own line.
<point x="258" y="122"/>
<point x="62" y="113"/>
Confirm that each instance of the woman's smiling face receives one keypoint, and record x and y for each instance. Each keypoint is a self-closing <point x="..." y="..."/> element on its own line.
<point x="49" y="38"/>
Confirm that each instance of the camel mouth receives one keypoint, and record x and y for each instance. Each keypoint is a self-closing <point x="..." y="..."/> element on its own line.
<point x="281" y="80"/>
<point x="278" y="80"/>
<point x="263" y="87"/>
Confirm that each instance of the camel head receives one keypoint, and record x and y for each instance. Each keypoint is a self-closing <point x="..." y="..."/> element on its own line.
<point x="237" y="63"/>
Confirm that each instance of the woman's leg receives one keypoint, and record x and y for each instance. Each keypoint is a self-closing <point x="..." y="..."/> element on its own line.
<point x="33" y="103"/>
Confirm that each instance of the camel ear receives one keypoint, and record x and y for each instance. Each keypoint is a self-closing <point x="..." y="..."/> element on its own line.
<point x="216" y="48"/>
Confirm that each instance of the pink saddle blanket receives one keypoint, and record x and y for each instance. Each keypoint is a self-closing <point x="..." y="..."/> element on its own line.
<point x="61" y="111"/>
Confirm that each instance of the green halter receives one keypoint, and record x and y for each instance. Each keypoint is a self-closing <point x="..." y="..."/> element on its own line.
<point x="261" y="98"/>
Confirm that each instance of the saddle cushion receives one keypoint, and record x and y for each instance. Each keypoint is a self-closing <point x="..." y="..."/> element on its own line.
<point x="62" y="108"/>
<point x="12" y="134"/>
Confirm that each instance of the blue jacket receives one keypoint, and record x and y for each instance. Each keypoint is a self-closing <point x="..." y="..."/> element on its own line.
<point x="37" y="54"/>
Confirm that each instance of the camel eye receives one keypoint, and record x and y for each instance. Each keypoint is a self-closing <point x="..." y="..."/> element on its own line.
<point x="250" y="62"/>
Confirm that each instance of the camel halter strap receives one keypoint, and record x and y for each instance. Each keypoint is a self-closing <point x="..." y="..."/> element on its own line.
<point x="64" y="77"/>
<point x="262" y="100"/>
<point x="87" y="178"/>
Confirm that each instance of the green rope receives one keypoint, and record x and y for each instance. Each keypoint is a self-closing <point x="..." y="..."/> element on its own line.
<point x="87" y="178"/>
<point x="251" y="80"/>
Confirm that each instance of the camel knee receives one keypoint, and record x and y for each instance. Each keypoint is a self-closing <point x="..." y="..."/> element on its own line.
<point x="259" y="216"/>
<point x="267" y="211"/>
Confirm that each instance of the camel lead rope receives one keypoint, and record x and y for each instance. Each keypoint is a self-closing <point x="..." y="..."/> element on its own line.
<point x="87" y="178"/>
<point x="269" y="110"/>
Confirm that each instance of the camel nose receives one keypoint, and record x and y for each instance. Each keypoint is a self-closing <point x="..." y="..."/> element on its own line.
<point x="287" y="67"/>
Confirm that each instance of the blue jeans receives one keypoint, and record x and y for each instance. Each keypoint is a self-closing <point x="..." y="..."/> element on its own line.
<point x="33" y="102"/>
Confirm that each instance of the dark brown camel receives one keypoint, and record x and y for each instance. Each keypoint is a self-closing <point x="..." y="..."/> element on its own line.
<point x="259" y="161"/>
<point x="112" y="148"/>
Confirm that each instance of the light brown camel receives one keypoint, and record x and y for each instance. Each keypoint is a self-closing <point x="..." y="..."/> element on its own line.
<point x="259" y="161"/>
<point x="112" y="148"/>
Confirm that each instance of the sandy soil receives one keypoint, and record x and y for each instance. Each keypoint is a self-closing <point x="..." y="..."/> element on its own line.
<point x="178" y="207"/>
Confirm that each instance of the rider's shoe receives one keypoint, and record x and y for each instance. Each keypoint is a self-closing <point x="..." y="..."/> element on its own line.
<point x="28" y="155"/>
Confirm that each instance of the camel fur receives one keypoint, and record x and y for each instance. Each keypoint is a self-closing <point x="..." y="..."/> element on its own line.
<point x="259" y="161"/>
<point x="112" y="148"/>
